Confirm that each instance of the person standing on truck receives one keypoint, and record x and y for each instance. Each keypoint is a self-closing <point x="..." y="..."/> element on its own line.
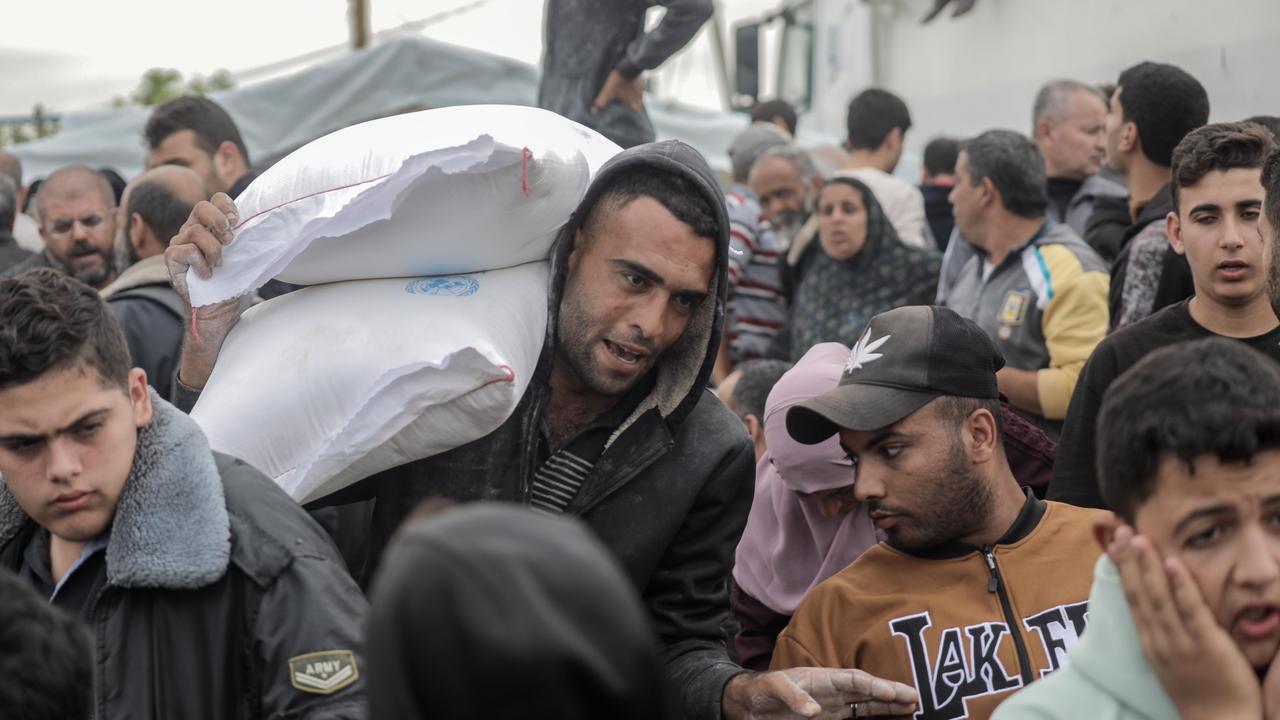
<point x="596" y="52"/>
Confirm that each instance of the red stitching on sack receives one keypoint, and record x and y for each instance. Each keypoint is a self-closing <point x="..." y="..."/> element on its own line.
<point x="525" y="157"/>
<point x="304" y="197"/>
<point x="195" y="327"/>
<point x="511" y="377"/>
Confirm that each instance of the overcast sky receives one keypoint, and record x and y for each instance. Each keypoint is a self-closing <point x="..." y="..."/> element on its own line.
<point x="72" y="55"/>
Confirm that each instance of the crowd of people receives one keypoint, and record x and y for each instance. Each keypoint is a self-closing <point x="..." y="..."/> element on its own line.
<point x="801" y="443"/>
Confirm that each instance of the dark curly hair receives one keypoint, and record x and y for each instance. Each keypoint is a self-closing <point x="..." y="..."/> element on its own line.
<point x="873" y="114"/>
<point x="1165" y="103"/>
<point x="1015" y="166"/>
<point x="1214" y="396"/>
<point x="1271" y="183"/>
<point x="211" y="124"/>
<point x="46" y="657"/>
<point x="50" y="322"/>
<point x="1218" y="148"/>
<point x="678" y="194"/>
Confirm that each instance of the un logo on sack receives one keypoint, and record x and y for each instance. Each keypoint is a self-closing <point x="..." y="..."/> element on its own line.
<point x="455" y="285"/>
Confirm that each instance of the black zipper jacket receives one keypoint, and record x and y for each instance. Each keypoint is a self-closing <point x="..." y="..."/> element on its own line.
<point x="217" y="590"/>
<point x="670" y="493"/>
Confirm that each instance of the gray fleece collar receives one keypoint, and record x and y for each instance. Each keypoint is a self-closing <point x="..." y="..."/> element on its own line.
<point x="171" y="528"/>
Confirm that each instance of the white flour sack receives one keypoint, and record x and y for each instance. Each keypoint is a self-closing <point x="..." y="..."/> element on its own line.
<point x="330" y="384"/>
<point x="438" y="192"/>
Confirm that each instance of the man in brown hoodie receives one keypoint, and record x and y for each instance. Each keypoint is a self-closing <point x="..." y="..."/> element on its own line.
<point x="980" y="588"/>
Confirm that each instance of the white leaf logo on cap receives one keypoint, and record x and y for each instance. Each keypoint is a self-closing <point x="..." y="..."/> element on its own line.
<point x="865" y="351"/>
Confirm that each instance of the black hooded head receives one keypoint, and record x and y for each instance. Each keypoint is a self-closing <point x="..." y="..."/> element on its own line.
<point x="497" y="611"/>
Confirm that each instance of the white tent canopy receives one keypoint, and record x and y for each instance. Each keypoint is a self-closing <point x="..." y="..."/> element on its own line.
<point x="276" y="116"/>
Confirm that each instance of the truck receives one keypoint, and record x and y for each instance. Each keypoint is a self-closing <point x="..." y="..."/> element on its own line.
<point x="981" y="70"/>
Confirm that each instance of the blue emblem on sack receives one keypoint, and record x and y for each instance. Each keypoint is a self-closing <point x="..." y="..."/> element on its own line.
<point x="455" y="285"/>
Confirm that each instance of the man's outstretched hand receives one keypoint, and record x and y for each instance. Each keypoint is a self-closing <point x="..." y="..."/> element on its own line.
<point x="814" y="693"/>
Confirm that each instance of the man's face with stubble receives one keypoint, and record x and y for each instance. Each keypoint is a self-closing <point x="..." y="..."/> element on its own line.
<point x="1267" y="228"/>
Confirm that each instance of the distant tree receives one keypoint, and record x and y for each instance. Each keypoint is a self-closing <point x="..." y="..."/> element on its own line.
<point x="18" y="134"/>
<point x="157" y="85"/>
<point x="161" y="84"/>
<point x="43" y="124"/>
<point x="219" y="80"/>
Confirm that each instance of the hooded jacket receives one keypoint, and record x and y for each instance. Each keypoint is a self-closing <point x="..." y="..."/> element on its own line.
<point x="585" y="40"/>
<point x="1107" y="676"/>
<point x="1148" y="275"/>
<point x="1045" y="307"/>
<point x="151" y="315"/>
<point x="33" y="261"/>
<point x="964" y="625"/>
<point x="221" y="597"/>
<point x="11" y="253"/>
<point x="496" y="611"/>
<point x="1098" y="185"/>
<point x="670" y="493"/>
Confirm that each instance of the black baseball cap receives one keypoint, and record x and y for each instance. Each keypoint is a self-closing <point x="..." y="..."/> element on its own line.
<point x="906" y="358"/>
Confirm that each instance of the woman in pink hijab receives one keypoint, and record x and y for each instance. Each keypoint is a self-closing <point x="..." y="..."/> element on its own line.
<point x="805" y="524"/>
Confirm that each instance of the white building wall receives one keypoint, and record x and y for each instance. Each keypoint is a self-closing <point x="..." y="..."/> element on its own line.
<point x="982" y="70"/>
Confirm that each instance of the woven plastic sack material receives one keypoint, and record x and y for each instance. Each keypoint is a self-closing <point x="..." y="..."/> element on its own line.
<point x="330" y="384"/>
<point x="445" y="191"/>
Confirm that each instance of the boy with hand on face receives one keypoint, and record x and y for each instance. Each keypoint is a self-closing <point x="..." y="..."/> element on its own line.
<point x="1184" y="615"/>
<point x="208" y="592"/>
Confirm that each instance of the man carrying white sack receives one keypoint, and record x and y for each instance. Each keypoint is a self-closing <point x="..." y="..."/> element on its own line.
<point x="616" y="428"/>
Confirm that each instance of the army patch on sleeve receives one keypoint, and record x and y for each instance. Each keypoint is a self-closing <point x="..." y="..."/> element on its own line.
<point x="323" y="673"/>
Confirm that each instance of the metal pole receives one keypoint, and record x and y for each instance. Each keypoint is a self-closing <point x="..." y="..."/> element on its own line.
<point x="359" y="24"/>
<point x="721" y="58"/>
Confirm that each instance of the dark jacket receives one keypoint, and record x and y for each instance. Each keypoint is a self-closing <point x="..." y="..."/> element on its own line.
<point x="217" y="587"/>
<point x="151" y="315"/>
<point x="32" y="262"/>
<point x="1148" y="274"/>
<point x="11" y="253"/>
<point x="1075" y="476"/>
<point x="585" y="40"/>
<point x="670" y="493"/>
<point x="937" y="210"/>
<point x="573" y="643"/>
<point x="1102" y="186"/>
